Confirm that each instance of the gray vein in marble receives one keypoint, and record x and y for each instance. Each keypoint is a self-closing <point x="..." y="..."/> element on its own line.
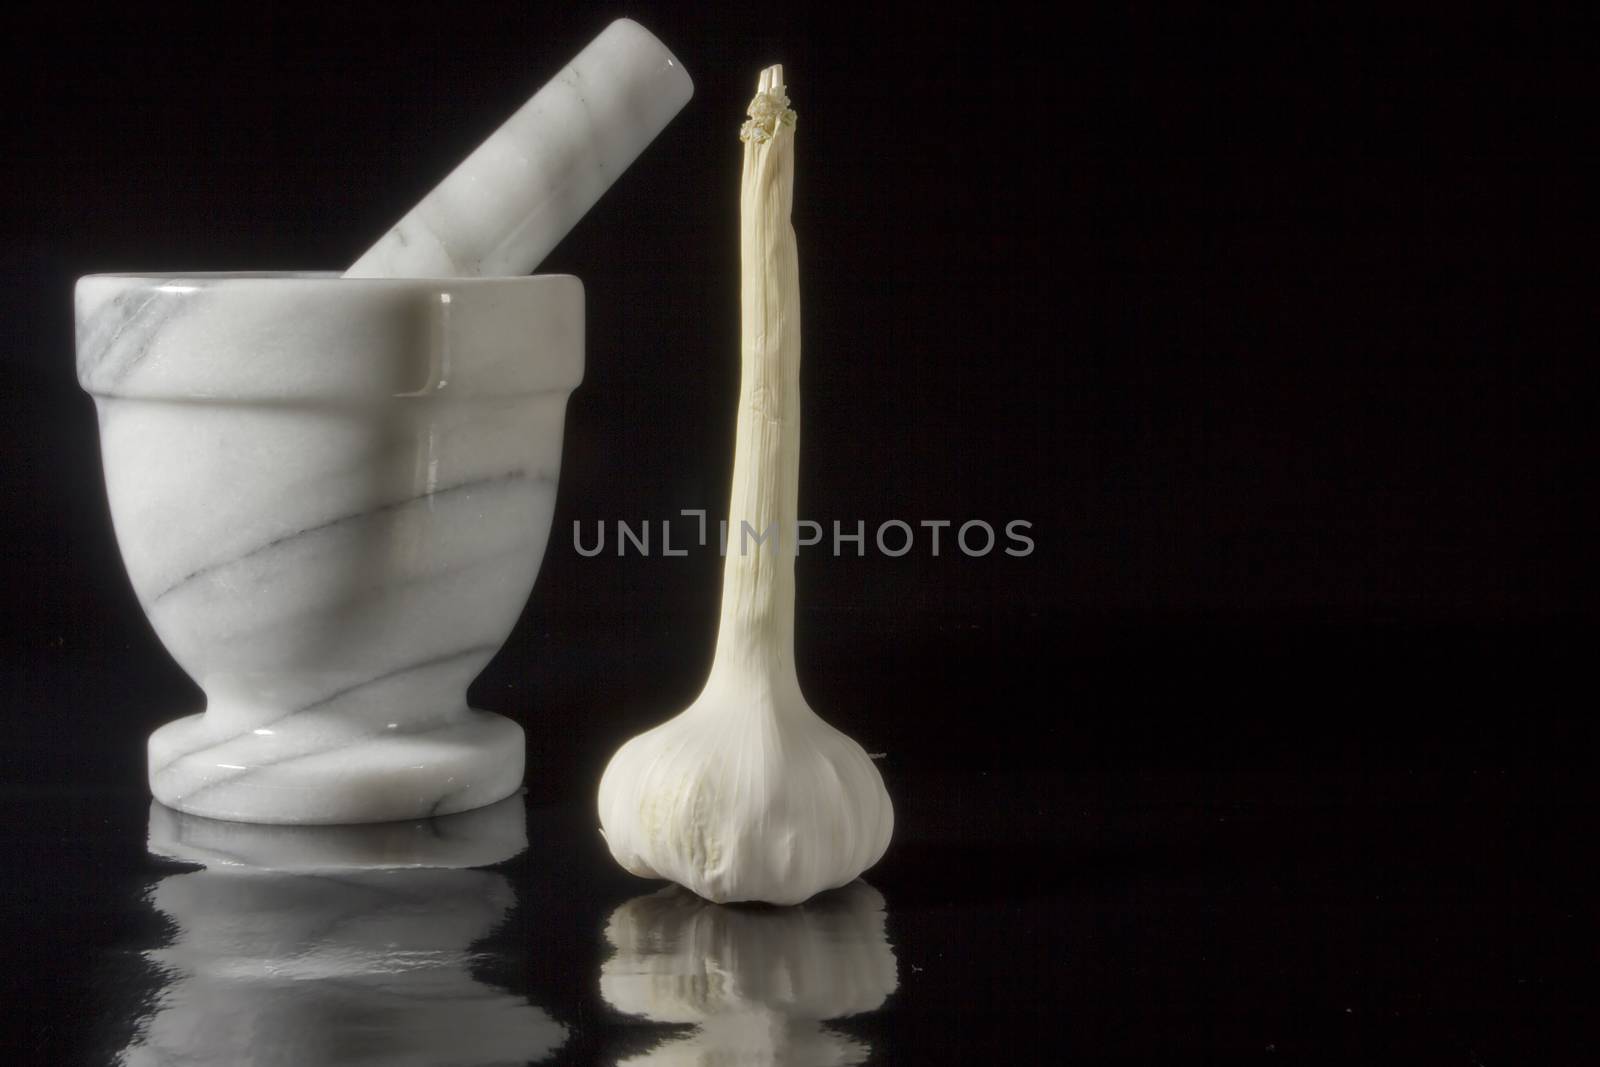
<point x="365" y="739"/>
<point x="140" y="326"/>
<point x="409" y="668"/>
<point x="379" y="589"/>
<point x="412" y="668"/>
<point x="322" y="527"/>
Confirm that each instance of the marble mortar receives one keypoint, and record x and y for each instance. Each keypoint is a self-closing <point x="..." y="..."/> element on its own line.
<point x="332" y="497"/>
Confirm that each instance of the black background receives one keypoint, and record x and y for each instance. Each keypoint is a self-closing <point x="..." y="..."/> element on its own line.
<point x="1263" y="322"/>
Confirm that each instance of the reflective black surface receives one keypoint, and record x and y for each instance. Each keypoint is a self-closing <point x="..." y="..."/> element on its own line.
<point x="1397" y="895"/>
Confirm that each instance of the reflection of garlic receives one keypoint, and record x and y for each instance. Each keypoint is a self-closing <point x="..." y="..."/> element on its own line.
<point x="757" y="984"/>
<point x="748" y="795"/>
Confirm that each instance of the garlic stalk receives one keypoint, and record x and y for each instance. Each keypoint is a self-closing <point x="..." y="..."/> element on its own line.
<point x="747" y="794"/>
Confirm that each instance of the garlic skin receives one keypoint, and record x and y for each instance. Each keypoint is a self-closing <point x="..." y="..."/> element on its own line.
<point x="748" y="795"/>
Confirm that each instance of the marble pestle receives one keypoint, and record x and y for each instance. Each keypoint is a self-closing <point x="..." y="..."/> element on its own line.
<point x="507" y="204"/>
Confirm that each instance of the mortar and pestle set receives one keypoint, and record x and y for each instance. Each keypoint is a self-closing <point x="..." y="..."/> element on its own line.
<point x="332" y="494"/>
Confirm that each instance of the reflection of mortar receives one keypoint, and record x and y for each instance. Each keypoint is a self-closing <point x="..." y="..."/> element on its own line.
<point x="757" y="982"/>
<point x="332" y="497"/>
<point x="322" y="945"/>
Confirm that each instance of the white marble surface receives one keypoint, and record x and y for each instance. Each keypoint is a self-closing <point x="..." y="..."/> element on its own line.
<point x="332" y="497"/>
<point x="328" y="945"/>
<point x="481" y="837"/>
<point x="508" y="203"/>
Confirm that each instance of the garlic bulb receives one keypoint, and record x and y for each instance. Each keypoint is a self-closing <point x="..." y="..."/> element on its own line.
<point x="748" y="794"/>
